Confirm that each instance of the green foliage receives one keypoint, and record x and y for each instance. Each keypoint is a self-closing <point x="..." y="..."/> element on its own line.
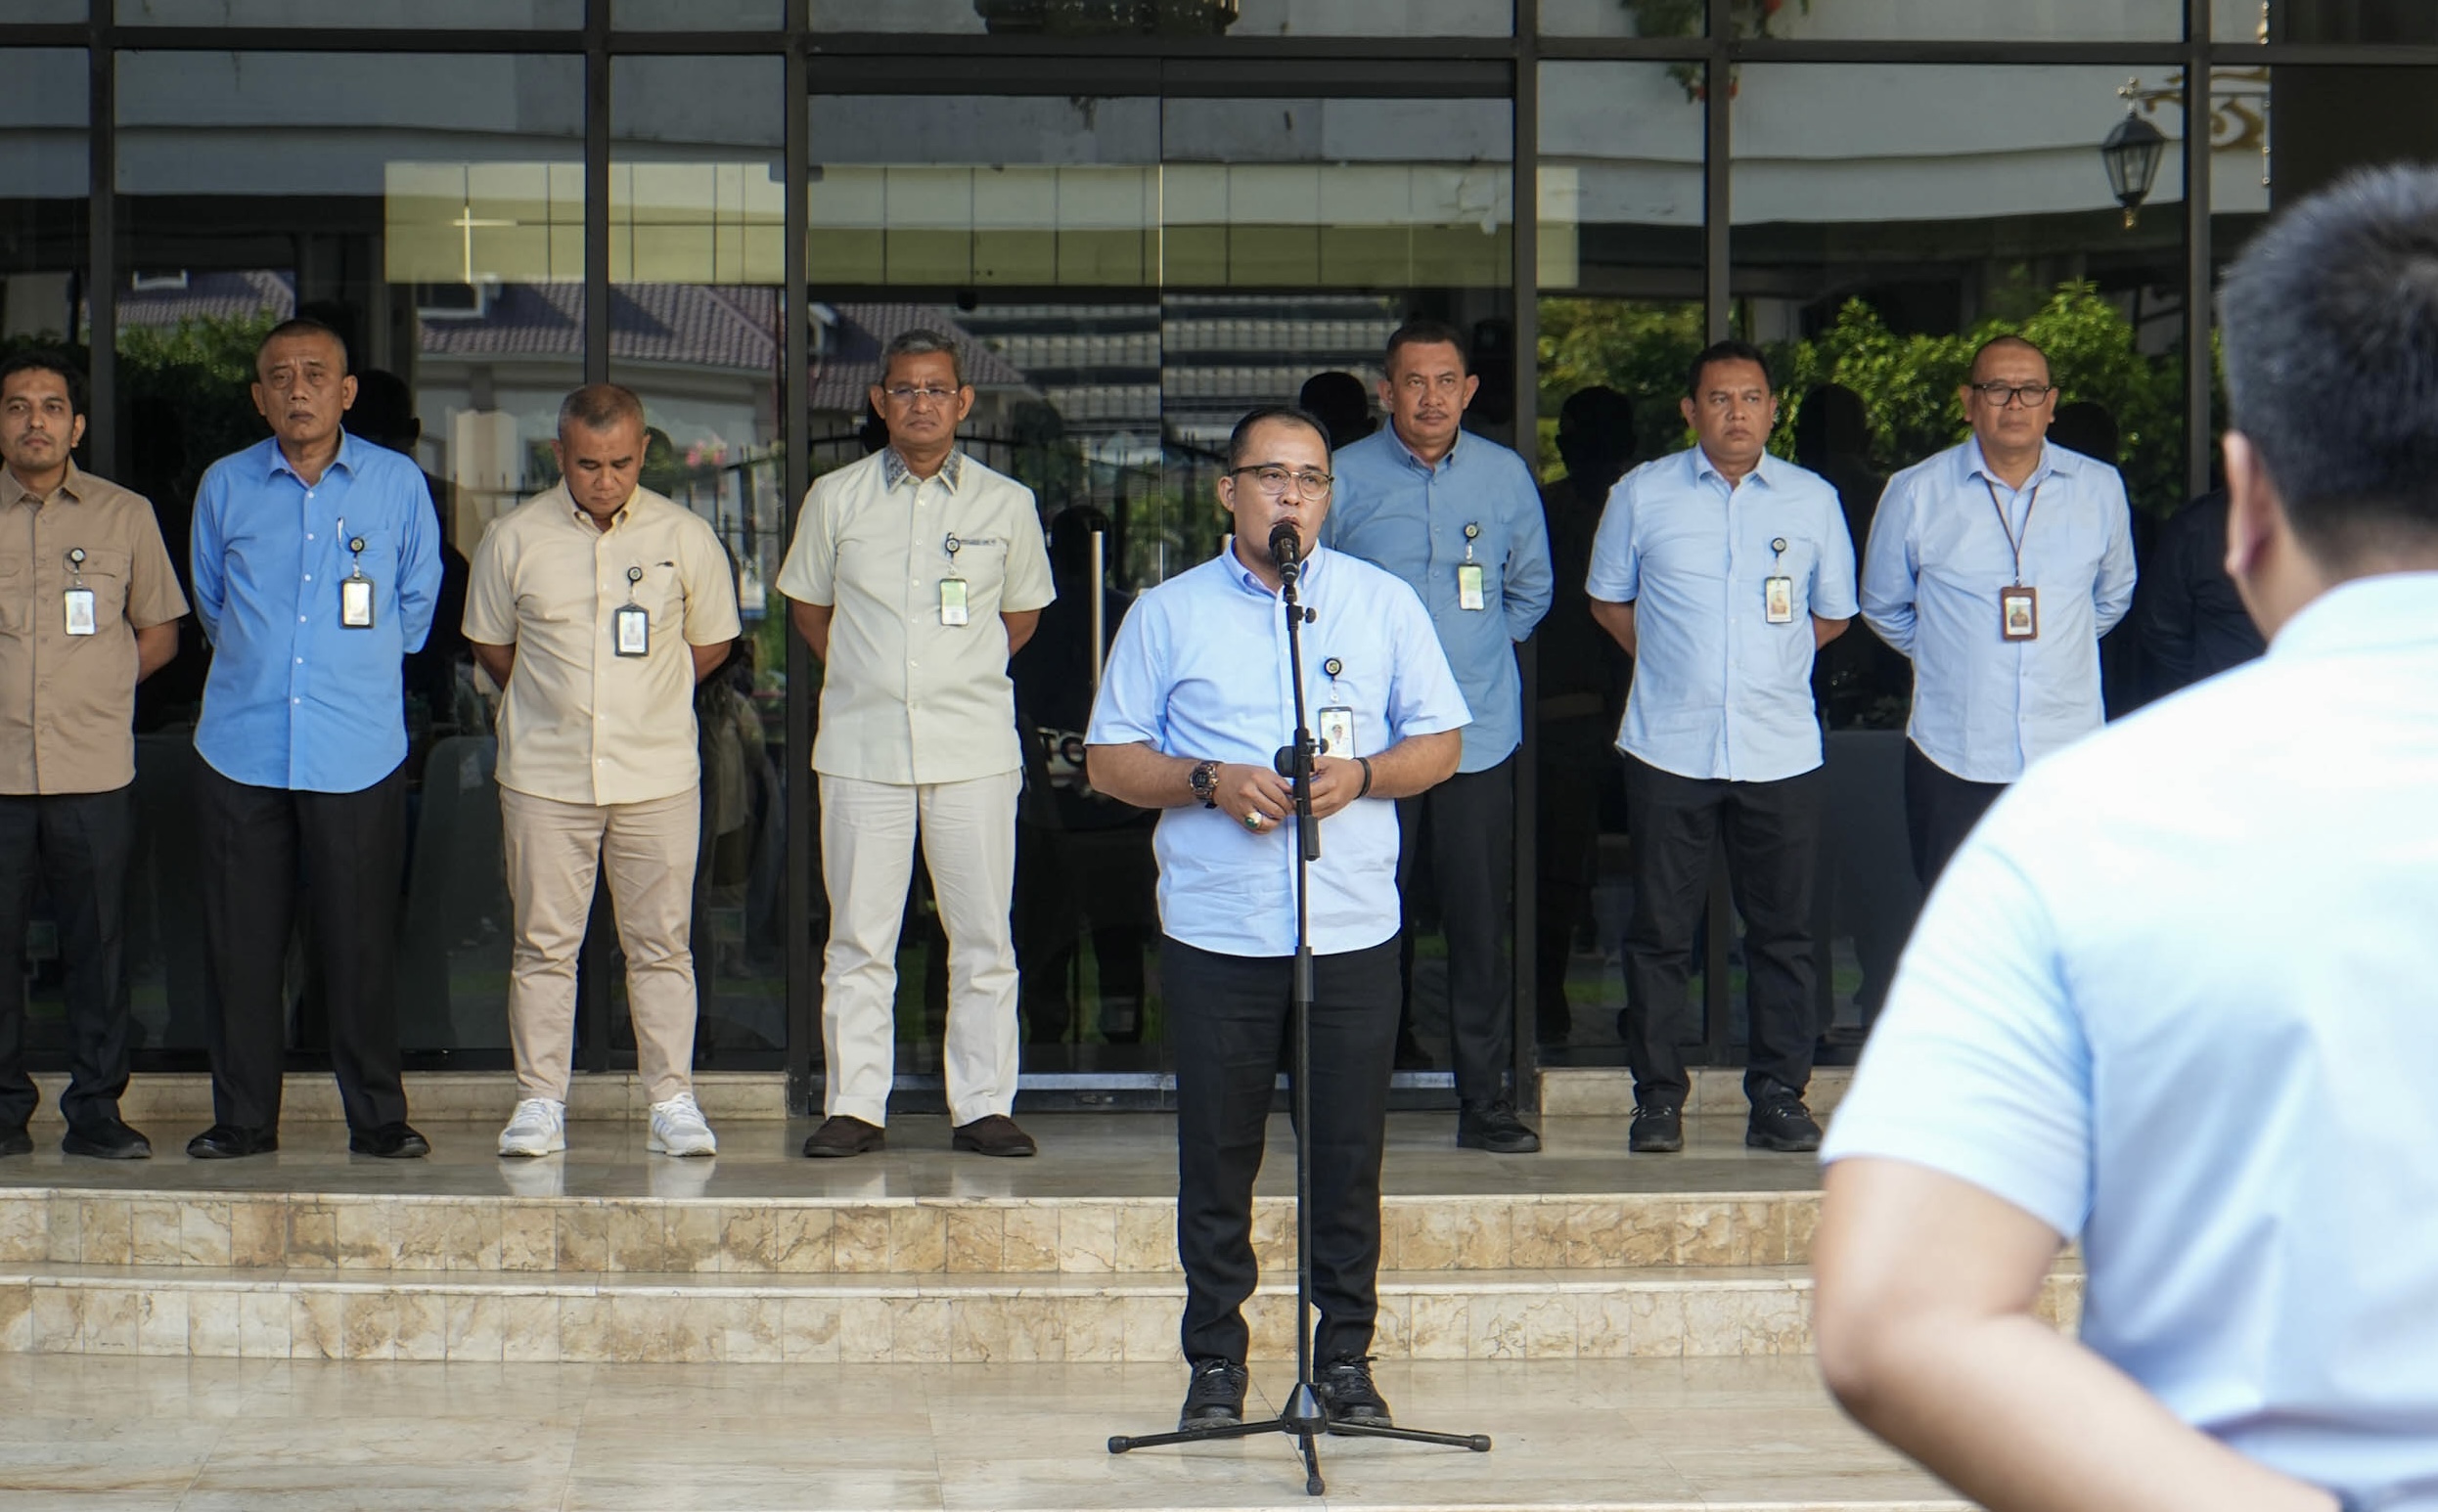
<point x="199" y="372"/>
<point x="1907" y="382"/>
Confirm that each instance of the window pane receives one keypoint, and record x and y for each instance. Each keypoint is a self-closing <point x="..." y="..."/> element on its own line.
<point x="1168" y="17"/>
<point x="699" y="14"/>
<point x="2324" y="21"/>
<point x="1887" y="219"/>
<point x="34" y="11"/>
<point x="351" y="15"/>
<point x="1620" y="315"/>
<point x="1980" y="21"/>
<point x="698" y="212"/>
<point x="432" y="210"/>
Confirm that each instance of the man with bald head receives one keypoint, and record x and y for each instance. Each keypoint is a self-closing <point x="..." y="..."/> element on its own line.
<point x="598" y="605"/>
<point x="317" y="562"/>
<point x="1996" y="565"/>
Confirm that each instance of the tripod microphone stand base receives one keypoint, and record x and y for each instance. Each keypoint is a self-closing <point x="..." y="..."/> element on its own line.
<point x="1304" y="1420"/>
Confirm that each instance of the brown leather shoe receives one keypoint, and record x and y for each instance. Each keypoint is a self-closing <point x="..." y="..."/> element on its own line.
<point x="994" y="1135"/>
<point x="840" y="1137"/>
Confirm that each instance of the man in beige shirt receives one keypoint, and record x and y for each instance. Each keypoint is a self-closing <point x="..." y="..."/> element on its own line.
<point x="598" y="605"/>
<point x="88" y="609"/>
<point x="915" y="573"/>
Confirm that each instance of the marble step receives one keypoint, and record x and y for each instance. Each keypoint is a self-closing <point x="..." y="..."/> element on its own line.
<point x="420" y="1233"/>
<point x="1646" y="1313"/>
<point x="1607" y="1092"/>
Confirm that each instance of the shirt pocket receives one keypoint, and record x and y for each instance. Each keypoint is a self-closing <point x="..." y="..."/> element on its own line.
<point x="106" y="572"/>
<point x="1684" y="555"/>
<point x="17" y="597"/>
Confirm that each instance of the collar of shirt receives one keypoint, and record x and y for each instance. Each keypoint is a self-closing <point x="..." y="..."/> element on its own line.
<point x="576" y="512"/>
<point x="19" y="493"/>
<point x="277" y="463"/>
<point x="1704" y="470"/>
<point x="1251" y="583"/>
<point x="1414" y="458"/>
<point x="893" y="469"/>
<point x="1976" y="466"/>
<point x="2371" y="613"/>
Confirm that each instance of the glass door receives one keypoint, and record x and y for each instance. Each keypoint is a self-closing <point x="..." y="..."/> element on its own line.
<point x="1126" y="275"/>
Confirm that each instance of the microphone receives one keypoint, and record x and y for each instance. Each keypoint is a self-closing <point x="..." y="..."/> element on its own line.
<point x="1286" y="549"/>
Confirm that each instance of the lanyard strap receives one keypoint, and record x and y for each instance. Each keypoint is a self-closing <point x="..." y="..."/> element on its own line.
<point x="2014" y="543"/>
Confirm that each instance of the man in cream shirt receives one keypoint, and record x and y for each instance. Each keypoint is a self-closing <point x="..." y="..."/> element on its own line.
<point x="598" y="605"/>
<point x="915" y="573"/>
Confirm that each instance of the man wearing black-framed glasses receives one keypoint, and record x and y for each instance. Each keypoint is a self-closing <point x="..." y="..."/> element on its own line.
<point x="1996" y="565"/>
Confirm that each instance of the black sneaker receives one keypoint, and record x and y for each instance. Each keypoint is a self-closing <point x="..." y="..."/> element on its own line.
<point x="1783" y="1123"/>
<point x="1659" y="1129"/>
<point x="1347" y="1395"/>
<point x="1494" y="1128"/>
<point x="1214" y="1397"/>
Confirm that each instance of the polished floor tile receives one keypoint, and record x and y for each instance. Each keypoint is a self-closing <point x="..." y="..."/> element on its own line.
<point x="84" y="1434"/>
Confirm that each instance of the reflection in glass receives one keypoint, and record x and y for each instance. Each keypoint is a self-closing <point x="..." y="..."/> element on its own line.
<point x="2324" y="21"/>
<point x="2009" y="21"/>
<point x="387" y="15"/>
<point x="1173" y="18"/>
<point x="1888" y="219"/>
<point x="696" y="221"/>
<point x="1620" y="193"/>
<point x="697" y="15"/>
<point x="438" y="225"/>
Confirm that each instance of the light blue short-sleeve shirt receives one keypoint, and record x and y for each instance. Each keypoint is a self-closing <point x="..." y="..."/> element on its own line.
<point x="2175" y="997"/>
<point x="1719" y="691"/>
<point x="1200" y="669"/>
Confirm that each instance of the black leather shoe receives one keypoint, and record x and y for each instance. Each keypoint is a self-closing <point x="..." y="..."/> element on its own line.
<point x="1215" y="1398"/>
<point x="1495" y="1129"/>
<point x="1659" y="1129"/>
<point x="390" y="1141"/>
<point x="840" y="1136"/>
<point x="15" y="1140"/>
<point x="994" y="1134"/>
<point x="1347" y="1395"/>
<point x="227" y="1141"/>
<point x="1783" y="1123"/>
<point x="107" y="1141"/>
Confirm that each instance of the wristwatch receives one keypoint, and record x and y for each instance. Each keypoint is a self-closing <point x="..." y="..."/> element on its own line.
<point x="1206" y="783"/>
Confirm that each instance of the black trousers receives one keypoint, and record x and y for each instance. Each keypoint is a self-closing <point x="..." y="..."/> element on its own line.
<point x="1771" y="831"/>
<point x="259" y="845"/>
<point x="1227" y="1022"/>
<point x="77" y="844"/>
<point x="1467" y="826"/>
<point x="1940" y="810"/>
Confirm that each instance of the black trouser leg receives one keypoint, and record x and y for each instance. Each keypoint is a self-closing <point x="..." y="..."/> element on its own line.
<point x="1772" y="859"/>
<point x="86" y="841"/>
<point x="1228" y="1016"/>
<point x="20" y="851"/>
<point x="1674" y="822"/>
<point x="1473" y="859"/>
<point x="247" y="839"/>
<point x="354" y="847"/>
<point x="1940" y="810"/>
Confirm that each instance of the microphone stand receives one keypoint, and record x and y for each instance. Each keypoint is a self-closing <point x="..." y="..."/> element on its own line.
<point x="1304" y="1417"/>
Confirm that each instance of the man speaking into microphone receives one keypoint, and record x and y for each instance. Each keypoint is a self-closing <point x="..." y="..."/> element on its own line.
<point x="1194" y="705"/>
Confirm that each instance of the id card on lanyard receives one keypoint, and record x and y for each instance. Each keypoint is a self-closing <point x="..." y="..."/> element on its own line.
<point x="81" y="618"/>
<point x="1470" y="587"/>
<point x="355" y="590"/>
<point x="630" y="623"/>
<point x="1336" y="726"/>
<point x="1777" y="589"/>
<point x="953" y="603"/>
<point x="2018" y="604"/>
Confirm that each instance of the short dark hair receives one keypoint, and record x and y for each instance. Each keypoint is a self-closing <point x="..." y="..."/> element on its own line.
<point x="2332" y="355"/>
<point x="600" y="407"/>
<point x="921" y="342"/>
<point x="1421" y="332"/>
<point x="1241" y="439"/>
<point x="2005" y="338"/>
<point x="1729" y="350"/>
<point x="41" y="360"/>
<point x="304" y="326"/>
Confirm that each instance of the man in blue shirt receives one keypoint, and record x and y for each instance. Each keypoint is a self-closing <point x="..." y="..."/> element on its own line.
<point x="1194" y="705"/>
<point x="317" y="563"/>
<point x="2172" y="999"/>
<point x="1721" y="570"/>
<point x="1459" y="518"/>
<point x="1996" y="565"/>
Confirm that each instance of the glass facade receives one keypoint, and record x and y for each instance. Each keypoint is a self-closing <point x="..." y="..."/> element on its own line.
<point x="1136" y="220"/>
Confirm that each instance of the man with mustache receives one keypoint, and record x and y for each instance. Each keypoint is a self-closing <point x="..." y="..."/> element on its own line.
<point x="89" y="607"/>
<point x="1722" y="571"/>
<point x="1459" y="518"/>
<point x="1193" y="705"/>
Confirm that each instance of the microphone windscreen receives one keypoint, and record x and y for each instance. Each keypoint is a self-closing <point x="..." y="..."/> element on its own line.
<point x="1286" y="547"/>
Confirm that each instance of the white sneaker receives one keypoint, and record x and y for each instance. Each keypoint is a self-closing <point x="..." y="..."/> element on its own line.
<point x="678" y="1129"/>
<point x="538" y="1127"/>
